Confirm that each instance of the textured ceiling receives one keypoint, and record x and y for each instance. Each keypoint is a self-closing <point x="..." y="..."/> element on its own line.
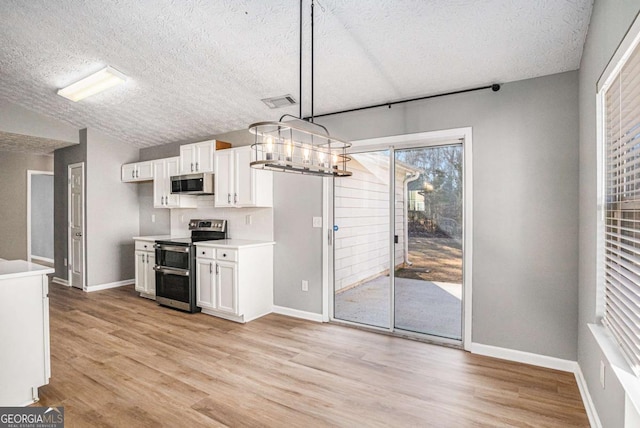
<point x="10" y="142"/>
<point x="198" y="68"/>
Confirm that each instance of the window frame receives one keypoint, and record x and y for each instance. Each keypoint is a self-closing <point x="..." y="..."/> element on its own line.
<point x="629" y="43"/>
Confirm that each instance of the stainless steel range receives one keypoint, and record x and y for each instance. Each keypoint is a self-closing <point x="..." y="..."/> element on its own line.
<point x="176" y="264"/>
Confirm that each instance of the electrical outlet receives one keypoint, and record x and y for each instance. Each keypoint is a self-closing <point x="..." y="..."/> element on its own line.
<point x="65" y="261"/>
<point x="248" y="219"/>
<point x="317" y="222"/>
<point x="602" y="369"/>
<point x="153" y="218"/>
<point x="305" y="285"/>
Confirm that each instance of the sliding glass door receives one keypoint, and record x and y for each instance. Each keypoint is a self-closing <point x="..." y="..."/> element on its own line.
<point x="398" y="240"/>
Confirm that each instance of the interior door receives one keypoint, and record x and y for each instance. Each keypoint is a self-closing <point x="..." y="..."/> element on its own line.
<point x="76" y="225"/>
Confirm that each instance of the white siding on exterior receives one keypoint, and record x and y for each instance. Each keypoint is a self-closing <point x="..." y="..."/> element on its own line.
<point x="361" y="211"/>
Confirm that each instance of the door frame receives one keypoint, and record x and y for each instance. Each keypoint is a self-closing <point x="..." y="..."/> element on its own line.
<point x="404" y="141"/>
<point x="84" y="227"/>
<point x="30" y="173"/>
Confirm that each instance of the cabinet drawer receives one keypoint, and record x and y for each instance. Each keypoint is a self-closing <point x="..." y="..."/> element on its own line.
<point x="205" y="252"/>
<point x="227" y="254"/>
<point x="144" y="246"/>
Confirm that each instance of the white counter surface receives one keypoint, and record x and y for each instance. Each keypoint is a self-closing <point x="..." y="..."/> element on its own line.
<point x="154" y="238"/>
<point x="234" y="243"/>
<point x="19" y="268"/>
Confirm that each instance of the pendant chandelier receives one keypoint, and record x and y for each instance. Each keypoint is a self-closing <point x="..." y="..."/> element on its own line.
<point x="296" y="145"/>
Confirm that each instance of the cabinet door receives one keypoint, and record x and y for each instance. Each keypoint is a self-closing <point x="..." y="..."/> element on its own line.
<point x="205" y="283"/>
<point x="187" y="155"/>
<point x="224" y="179"/>
<point x="244" y="177"/>
<point x="204" y="156"/>
<point x="159" y="184"/>
<point x="227" y="287"/>
<point x="150" y="280"/>
<point x="140" y="271"/>
<point x="129" y="172"/>
<point x="171" y="168"/>
<point x="145" y="171"/>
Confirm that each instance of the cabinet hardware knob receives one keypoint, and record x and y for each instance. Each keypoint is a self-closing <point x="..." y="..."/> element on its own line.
<point x="197" y="167"/>
<point x="191" y="166"/>
<point x="133" y="174"/>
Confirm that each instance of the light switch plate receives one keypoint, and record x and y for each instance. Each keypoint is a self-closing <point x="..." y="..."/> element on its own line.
<point x="317" y="222"/>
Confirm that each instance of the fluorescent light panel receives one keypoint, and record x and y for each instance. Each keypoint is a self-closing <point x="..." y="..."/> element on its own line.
<point x="93" y="84"/>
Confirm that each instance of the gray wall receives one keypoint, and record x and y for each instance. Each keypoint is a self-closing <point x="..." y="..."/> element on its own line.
<point x="112" y="210"/>
<point x="298" y="250"/>
<point x="525" y="173"/>
<point x="609" y="23"/>
<point x="13" y="194"/>
<point x="62" y="159"/>
<point x="42" y="215"/>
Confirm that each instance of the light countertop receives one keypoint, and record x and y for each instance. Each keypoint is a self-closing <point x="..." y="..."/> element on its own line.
<point x="20" y="268"/>
<point x="154" y="238"/>
<point x="234" y="243"/>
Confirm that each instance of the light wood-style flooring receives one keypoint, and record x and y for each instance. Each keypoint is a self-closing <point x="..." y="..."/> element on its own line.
<point x="119" y="360"/>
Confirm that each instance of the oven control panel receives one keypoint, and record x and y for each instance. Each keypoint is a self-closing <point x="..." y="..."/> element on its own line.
<point x="208" y="225"/>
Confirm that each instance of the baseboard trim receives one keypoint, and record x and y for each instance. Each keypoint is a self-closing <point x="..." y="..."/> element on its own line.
<point x="92" y="288"/>
<point x="592" y="413"/>
<point x="295" y="313"/>
<point x="525" y="357"/>
<point x="60" y="281"/>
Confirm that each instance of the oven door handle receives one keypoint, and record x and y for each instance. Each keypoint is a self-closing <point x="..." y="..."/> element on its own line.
<point x="172" y="248"/>
<point x="171" y="271"/>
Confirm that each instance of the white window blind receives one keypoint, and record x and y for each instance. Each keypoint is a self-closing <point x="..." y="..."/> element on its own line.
<point x="622" y="207"/>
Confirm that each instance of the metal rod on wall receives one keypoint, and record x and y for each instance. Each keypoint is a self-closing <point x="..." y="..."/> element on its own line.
<point x="495" y="88"/>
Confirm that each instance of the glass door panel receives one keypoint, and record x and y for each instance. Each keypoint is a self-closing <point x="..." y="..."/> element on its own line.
<point x="428" y="249"/>
<point x="362" y="286"/>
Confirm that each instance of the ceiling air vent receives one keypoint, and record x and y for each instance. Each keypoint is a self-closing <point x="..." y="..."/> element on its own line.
<point x="280" y="101"/>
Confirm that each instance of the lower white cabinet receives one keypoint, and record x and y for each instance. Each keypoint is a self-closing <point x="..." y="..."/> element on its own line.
<point x="145" y="275"/>
<point x="235" y="281"/>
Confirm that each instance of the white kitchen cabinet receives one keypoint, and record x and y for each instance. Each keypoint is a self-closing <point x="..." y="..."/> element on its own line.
<point x="145" y="275"/>
<point x="25" y="358"/>
<point x="197" y="157"/>
<point x="227" y="287"/>
<point x="163" y="169"/>
<point x="205" y="283"/>
<point x="239" y="185"/>
<point x="235" y="280"/>
<point x="139" y="171"/>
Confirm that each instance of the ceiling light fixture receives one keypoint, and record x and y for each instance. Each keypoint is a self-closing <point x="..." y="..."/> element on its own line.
<point x="297" y="145"/>
<point x="93" y="84"/>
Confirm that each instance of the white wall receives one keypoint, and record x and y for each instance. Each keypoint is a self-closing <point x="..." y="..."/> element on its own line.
<point x="610" y="21"/>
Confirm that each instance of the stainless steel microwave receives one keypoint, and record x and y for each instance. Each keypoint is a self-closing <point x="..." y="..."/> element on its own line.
<point x="193" y="184"/>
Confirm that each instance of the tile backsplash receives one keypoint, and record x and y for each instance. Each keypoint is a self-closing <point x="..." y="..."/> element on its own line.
<point x="238" y="219"/>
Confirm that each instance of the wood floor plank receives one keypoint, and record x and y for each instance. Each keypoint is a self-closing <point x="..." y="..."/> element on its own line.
<point x="119" y="360"/>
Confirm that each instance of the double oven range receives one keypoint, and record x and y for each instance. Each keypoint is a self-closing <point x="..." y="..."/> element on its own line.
<point x="176" y="264"/>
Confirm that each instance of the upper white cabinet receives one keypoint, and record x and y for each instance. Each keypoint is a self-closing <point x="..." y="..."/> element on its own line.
<point x="239" y="185"/>
<point x="163" y="169"/>
<point x="198" y="157"/>
<point x="139" y="171"/>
